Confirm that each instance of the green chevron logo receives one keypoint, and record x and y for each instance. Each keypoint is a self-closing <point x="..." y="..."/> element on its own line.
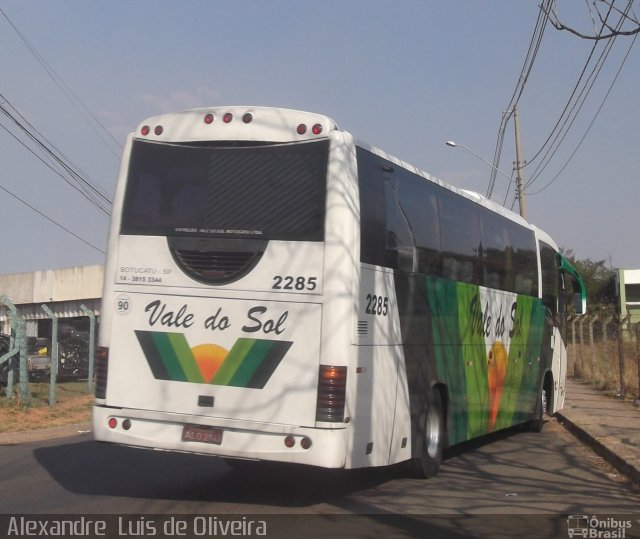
<point x="249" y="363"/>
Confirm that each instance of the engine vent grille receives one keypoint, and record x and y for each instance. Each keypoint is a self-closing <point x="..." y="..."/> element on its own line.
<point x="215" y="260"/>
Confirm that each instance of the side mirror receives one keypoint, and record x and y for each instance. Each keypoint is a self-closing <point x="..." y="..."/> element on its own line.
<point x="579" y="305"/>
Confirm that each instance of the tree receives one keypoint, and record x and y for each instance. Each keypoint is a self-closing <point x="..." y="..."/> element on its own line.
<point x="599" y="280"/>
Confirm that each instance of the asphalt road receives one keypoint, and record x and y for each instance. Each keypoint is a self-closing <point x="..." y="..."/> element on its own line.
<point x="508" y="474"/>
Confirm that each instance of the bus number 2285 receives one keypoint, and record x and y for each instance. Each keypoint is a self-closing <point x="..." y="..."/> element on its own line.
<point x="288" y="282"/>
<point x="377" y="305"/>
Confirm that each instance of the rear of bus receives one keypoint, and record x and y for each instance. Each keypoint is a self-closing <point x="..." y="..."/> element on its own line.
<point x="228" y="287"/>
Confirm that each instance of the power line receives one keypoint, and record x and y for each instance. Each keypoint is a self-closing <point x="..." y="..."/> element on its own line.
<point x="592" y="121"/>
<point x="86" y="187"/>
<point x="576" y="100"/>
<point x="51" y="220"/>
<point x="52" y="169"/>
<point x="40" y="147"/>
<point x="561" y="119"/>
<point x="532" y="53"/>
<point x="568" y="122"/>
<point x="70" y="95"/>
<point x="569" y="115"/>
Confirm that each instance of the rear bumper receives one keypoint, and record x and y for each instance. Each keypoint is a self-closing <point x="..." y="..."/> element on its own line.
<point x="240" y="439"/>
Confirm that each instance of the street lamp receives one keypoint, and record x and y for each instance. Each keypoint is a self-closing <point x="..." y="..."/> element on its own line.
<point x="453" y="144"/>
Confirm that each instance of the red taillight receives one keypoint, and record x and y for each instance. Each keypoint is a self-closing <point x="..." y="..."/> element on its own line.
<point x="247" y="118"/>
<point x="145" y="130"/>
<point x="301" y="129"/>
<point x="333" y="374"/>
<point x="113" y="423"/>
<point x="158" y="130"/>
<point x="227" y="117"/>
<point x="289" y="441"/>
<point x="332" y="386"/>
<point x="316" y="129"/>
<point x="305" y="443"/>
<point x="208" y="119"/>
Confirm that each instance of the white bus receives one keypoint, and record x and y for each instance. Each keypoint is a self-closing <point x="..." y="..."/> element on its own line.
<point x="277" y="291"/>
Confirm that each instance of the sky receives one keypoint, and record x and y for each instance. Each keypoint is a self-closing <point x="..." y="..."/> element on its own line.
<point x="401" y="75"/>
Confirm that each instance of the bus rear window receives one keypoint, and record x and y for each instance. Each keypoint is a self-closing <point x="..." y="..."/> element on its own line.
<point x="201" y="189"/>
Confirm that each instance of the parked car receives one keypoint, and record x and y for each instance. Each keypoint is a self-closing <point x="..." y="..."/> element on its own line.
<point x="38" y="358"/>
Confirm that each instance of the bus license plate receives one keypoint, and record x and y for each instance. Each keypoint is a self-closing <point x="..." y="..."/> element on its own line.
<point x="205" y="435"/>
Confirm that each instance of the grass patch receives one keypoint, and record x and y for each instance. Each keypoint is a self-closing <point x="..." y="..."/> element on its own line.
<point x="73" y="405"/>
<point x="599" y="365"/>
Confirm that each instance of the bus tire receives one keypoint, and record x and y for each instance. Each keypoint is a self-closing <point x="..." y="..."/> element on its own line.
<point x="537" y="423"/>
<point x="431" y="439"/>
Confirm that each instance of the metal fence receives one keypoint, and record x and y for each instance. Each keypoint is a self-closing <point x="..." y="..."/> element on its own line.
<point x="69" y="355"/>
<point x="604" y="349"/>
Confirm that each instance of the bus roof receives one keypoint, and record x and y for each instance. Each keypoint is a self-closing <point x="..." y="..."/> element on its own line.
<point x="236" y="123"/>
<point x="472" y="195"/>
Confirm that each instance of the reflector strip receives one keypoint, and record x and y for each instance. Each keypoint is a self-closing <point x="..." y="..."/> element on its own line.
<point x="101" y="369"/>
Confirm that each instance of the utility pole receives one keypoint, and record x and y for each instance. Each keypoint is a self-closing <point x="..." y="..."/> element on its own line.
<point x="519" y="166"/>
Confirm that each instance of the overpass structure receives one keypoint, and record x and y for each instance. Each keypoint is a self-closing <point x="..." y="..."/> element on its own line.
<point x="63" y="291"/>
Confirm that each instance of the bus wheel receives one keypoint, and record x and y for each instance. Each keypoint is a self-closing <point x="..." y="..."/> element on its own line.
<point x="428" y="462"/>
<point x="538" y="421"/>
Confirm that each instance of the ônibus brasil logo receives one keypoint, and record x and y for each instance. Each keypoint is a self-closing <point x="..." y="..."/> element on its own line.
<point x="249" y="363"/>
<point x="595" y="527"/>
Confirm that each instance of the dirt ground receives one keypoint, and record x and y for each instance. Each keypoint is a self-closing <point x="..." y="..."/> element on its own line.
<point x="73" y="405"/>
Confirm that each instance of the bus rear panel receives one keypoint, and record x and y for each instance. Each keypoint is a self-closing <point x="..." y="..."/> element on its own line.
<point x="221" y="277"/>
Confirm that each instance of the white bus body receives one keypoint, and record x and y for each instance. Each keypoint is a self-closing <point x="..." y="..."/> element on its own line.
<point x="246" y="321"/>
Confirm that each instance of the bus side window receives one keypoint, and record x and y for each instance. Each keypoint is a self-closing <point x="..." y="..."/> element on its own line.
<point x="461" y="242"/>
<point x="525" y="261"/>
<point x="420" y="205"/>
<point x="400" y="248"/>
<point x="496" y="237"/>
<point x="551" y="279"/>
<point x="372" y="209"/>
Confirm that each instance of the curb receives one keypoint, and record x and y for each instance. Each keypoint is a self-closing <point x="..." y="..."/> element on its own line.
<point x="38" y="435"/>
<point x="618" y="462"/>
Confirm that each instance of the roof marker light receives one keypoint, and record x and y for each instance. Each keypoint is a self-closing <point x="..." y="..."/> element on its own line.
<point x="208" y="119"/>
<point x="145" y="130"/>
<point x="227" y="117"/>
<point x="316" y="129"/>
<point x="158" y="130"/>
<point x="247" y="117"/>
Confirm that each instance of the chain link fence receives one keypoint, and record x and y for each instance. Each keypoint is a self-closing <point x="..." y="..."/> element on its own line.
<point x="604" y="349"/>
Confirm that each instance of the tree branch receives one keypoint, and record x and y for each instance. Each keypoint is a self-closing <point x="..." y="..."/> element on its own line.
<point x="555" y="21"/>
